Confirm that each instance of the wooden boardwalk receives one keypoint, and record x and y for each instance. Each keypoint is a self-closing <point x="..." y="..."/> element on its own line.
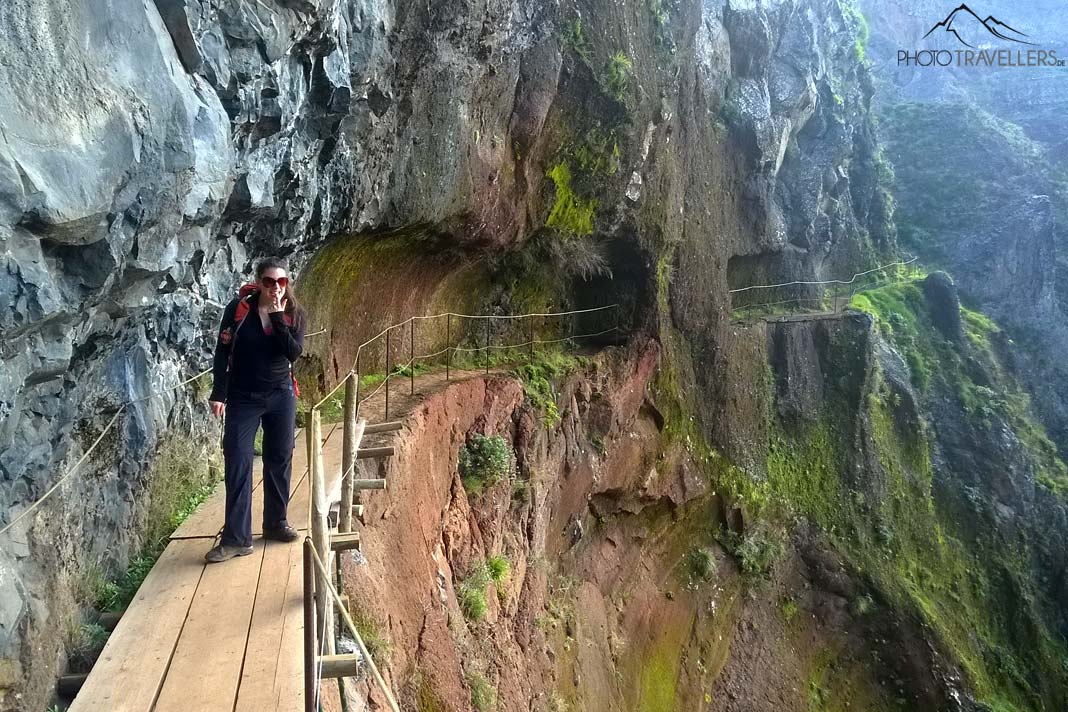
<point x="226" y="637"/>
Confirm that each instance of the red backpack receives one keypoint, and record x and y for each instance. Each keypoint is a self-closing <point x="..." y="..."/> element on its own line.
<point x="229" y="332"/>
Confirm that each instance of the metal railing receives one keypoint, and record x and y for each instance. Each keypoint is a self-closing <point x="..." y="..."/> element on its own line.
<point x="321" y="596"/>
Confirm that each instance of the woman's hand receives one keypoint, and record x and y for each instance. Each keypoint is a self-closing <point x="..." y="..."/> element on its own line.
<point x="217" y="408"/>
<point x="277" y="303"/>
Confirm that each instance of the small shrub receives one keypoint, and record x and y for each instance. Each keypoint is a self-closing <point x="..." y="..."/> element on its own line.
<point x="861" y="606"/>
<point x="760" y="549"/>
<point x="471" y="593"/>
<point x="117" y="595"/>
<point x="617" y="76"/>
<point x="483" y="694"/>
<point x="472" y="602"/>
<point x="577" y="40"/>
<point x="484" y="461"/>
<point x="499" y="568"/>
<point x="88" y="642"/>
<point x="702" y="563"/>
<point x="521" y="491"/>
<point x="789" y="609"/>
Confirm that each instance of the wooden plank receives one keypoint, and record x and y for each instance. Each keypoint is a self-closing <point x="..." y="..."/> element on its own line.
<point x="382" y="427"/>
<point x="207" y="660"/>
<point x="344" y="665"/>
<point x="272" y="678"/>
<point x="131" y="668"/>
<point x="367" y="452"/>
<point x="345" y="541"/>
<point x="376" y="484"/>
<point x="208" y="518"/>
<point x="68" y="685"/>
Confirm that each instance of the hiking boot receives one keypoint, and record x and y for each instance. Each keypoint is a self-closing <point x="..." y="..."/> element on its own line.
<point x="283" y="532"/>
<point x="223" y="553"/>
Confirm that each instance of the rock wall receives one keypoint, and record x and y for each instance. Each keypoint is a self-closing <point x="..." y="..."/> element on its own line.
<point x="1000" y="232"/>
<point x="151" y="152"/>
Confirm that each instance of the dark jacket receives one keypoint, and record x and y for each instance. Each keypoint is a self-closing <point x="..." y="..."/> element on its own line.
<point x="247" y="358"/>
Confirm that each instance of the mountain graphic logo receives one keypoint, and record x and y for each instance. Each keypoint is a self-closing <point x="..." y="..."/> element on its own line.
<point x="969" y="30"/>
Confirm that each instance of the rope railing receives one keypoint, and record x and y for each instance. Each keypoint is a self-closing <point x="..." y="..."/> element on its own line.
<point x="111" y="423"/>
<point x="828" y="303"/>
<point x="798" y="283"/>
<point x="354" y="370"/>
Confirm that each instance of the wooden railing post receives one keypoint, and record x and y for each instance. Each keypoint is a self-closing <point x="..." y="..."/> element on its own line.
<point x="348" y="456"/>
<point x="388" y="374"/>
<point x="321" y="536"/>
<point x="310" y="653"/>
<point x="448" y="344"/>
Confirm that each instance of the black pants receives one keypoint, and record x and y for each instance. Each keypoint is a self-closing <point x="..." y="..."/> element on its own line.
<point x="277" y="410"/>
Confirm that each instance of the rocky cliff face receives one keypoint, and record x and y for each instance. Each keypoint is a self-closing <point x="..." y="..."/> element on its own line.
<point x="151" y="152"/>
<point x="978" y="155"/>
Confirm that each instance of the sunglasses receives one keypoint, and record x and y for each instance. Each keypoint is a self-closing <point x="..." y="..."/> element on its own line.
<point x="271" y="281"/>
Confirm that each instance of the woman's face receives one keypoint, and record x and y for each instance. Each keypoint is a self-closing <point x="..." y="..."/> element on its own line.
<point x="274" y="281"/>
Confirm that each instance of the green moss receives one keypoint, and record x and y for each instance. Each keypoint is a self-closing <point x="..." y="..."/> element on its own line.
<point x="575" y="38"/>
<point x="540" y="376"/>
<point x="804" y="472"/>
<point x="616" y="76"/>
<point x="975" y="597"/>
<point x="483" y="694"/>
<point x="570" y="214"/>
<point x="370" y="631"/>
<point x="426" y="697"/>
<point x="658" y="682"/>
<point x="854" y="12"/>
<point x="598" y="153"/>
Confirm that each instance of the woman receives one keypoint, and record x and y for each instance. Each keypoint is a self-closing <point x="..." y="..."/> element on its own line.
<point x="261" y="335"/>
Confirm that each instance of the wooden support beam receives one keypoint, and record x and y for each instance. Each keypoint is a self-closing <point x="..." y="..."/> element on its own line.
<point x="109" y="619"/>
<point x="353" y="433"/>
<point x="369" y="484"/>
<point x="365" y="452"/>
<point x="345" y="665"/>
<point x="69" y="685"/>
<point x="382" y="427"/>
<point x="320" y="532"/>
<point x="345" y="541"/>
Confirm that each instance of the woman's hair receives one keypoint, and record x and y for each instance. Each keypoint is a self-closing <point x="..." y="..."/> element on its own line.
<point x="293" y="307"/>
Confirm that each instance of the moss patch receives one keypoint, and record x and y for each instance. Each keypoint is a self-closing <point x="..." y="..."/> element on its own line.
<point x="570" y="214"/>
